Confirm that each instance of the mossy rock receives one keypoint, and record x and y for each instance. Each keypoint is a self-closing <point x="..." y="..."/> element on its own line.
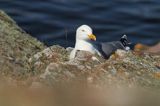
<point x="16" y="47"/>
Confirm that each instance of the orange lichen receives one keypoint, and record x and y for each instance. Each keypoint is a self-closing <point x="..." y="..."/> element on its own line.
<point x="140" y="47"/>
<point x="157" y="75"/>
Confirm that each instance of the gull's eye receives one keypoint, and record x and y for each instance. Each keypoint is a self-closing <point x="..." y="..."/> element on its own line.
<point x="83" y="30"/>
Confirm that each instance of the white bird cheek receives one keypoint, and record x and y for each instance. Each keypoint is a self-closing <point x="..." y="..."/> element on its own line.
<point x="83" y="35"/>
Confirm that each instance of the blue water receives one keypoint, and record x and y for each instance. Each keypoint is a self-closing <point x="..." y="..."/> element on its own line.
<point x="50" y="20"/>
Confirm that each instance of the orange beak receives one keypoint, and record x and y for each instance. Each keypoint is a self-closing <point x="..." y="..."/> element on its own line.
<point x="92" y="37"/>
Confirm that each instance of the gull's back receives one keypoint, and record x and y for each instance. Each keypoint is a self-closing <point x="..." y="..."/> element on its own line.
<point x="108" y="48"/>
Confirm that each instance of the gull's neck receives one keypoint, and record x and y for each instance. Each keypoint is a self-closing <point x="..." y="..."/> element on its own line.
<point x="84" y="45"/>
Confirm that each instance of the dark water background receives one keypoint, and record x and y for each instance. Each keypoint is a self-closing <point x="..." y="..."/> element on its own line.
<point x="49" y="20"/>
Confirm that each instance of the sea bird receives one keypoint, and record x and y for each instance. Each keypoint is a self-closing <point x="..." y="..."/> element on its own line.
<point x="86" y="41"/>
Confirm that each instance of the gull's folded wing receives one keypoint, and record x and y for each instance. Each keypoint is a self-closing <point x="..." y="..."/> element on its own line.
<point x="107" y="48"/>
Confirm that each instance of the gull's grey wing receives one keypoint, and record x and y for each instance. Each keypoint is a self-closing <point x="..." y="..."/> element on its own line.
<point x="110" y="47"/>
<point x="107" y="48"/>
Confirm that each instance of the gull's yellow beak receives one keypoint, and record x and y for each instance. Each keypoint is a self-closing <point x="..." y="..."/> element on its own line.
<point x="92" y="37"/>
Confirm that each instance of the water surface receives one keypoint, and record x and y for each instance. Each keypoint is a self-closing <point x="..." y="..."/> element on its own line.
<point x="51" y="20"/>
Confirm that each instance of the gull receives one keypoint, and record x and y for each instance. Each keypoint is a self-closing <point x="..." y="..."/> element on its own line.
<point x="86" y="41"/>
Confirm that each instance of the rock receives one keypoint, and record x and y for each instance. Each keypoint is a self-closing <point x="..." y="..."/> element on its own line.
<point x="158" y="65"/>
<point x="69" y="49"/>
<point x="140" y="47"/>
<point x="36" y="85"/>
<point x="119" y="54"/>
<point x="155" y="49"/>
<point x="126" y="69"/>
<point x="16" y="47"/>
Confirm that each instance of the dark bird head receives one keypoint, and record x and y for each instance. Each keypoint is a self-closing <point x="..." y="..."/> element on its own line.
<point x="125" y="41"/>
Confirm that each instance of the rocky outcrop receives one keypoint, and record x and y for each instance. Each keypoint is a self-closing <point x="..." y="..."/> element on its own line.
<point x="148" y="49"/>
<point x="123" y="68"/>
<point x="16" y="47"/>
<point x="23" y="58"/>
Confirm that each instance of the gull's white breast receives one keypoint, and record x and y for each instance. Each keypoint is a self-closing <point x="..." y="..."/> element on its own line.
<point x="84" y="45"/>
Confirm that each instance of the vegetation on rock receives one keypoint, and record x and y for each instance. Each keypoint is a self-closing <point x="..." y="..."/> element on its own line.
<point x="16" y="47"/>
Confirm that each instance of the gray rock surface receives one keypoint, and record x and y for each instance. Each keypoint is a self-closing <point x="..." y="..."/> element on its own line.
<point x="16" y="47"/>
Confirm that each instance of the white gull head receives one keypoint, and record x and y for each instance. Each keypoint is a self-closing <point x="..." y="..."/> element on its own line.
<point x="84" y="32"/>
<point x="84" y="35"/>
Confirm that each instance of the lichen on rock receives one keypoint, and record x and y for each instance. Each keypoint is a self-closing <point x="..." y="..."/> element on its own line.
<point x="16" y="47"/>
<point x="122" y="68"/>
